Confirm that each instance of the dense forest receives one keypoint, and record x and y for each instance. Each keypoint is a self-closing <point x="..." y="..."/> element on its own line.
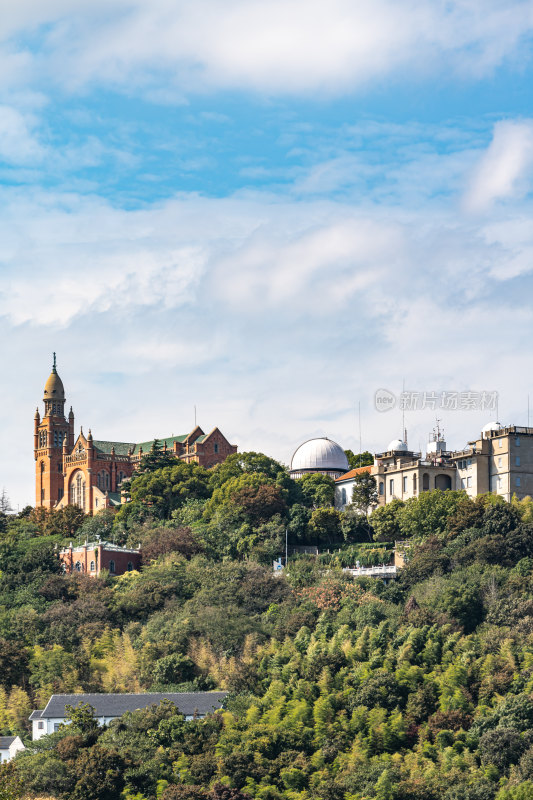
<point x="338" y="689"/>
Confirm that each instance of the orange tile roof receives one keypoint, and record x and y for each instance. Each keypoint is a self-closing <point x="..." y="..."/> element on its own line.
<point x="353" y="472"/>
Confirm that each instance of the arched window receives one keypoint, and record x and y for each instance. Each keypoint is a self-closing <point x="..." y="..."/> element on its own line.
<point x="102" y="480"/>
<point x="77" y="490"/>
<point x="425" y="482"/>
<point x="130" y="566"/>
<point x="77" y="566"/>
<point x="92" y="566"/>
<point x="381" y="487"/>
<point x="120" y="477"/>
<point x="112" y="566"/>
<point x="343" y="497"/>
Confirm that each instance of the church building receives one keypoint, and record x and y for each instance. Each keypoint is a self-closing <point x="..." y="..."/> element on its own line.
<point x="88" y="472"/>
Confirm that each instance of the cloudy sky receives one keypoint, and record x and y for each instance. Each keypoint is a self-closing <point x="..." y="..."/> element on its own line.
<point x="268" y="209"/>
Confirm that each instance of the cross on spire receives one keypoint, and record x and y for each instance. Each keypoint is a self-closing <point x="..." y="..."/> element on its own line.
<point x="54" y="367"/>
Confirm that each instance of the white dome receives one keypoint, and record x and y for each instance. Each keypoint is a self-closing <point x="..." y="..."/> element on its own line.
<point x="319" y="454"/>
<point x="489" y="427"/>
<point x="396" y="446"/>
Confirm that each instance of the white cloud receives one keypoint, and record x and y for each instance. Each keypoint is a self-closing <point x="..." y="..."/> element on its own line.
<point x="286" y="46"/>
<point x="505" y="170"/>
<point x="18" y="144"/>
<point x="273" y="315"/>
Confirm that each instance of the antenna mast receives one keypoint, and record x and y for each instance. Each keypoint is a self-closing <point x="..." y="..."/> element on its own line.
<point x="360" y="440"/>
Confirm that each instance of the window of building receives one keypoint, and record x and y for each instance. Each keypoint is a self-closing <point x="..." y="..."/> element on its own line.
<point x="425" y="482"/>
<point x="518" y="481"/>
<point x="92" y="566"/>
<point x="391" y="486"/>
<point x="500" y="461"/>
<point x="77" y="566"/>
<point x="111" y="566"/>
<point x="517" y="461"/>
<point x="130" y="566"/>
<point x="469" y="483"/>
<point x="343" y="497"/>
<point x="414" y="484"/>
<point x="381" y="488"/>
<point x="102" y="480"/>
<point x="517" y="441"/>
<point x="500" y="442"/>
<point x="216" y="447"/>
<point x="40" y="725"/>
<point x="77" y="490"/>
<point x="463" y="483"/>
<point x="120" y="477"/>
<point x="405" y="483"/>
<point x="60" y="493"/>
<point x="56" y="726"/>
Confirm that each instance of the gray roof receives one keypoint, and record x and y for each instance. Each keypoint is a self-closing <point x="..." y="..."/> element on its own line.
<point x="6" y="742"/>
<point x="36" y="715"/>
<point x="114" y="705"/>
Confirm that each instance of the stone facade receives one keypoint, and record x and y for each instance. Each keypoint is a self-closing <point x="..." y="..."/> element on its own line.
<point x="87" y="472"/>
<point x="499" y="461"/>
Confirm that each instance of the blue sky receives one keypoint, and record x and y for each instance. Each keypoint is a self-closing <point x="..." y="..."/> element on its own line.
<point x="268" y="210"/>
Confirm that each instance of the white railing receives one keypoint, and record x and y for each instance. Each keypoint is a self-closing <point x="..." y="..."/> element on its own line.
<point x="371" y="572"/>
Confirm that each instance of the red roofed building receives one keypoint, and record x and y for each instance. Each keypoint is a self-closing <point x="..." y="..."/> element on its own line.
<point x="344" y="485"/>
<point x="88" y="472"/>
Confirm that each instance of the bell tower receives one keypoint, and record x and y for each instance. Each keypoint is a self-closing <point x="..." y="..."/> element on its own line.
<point x="49" y="434"/>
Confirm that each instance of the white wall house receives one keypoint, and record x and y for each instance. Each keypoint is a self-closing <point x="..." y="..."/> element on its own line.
<point x="107" y="707"/>
<point x="9" y="747"/>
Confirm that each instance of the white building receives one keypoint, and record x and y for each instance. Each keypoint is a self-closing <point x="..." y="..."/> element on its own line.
<point x="9" y="747"/>
<point x="107" y="707"/>
<point x="320" y="455"/>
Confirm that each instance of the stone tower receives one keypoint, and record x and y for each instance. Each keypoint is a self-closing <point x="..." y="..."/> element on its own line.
<point x="49" y="434"/>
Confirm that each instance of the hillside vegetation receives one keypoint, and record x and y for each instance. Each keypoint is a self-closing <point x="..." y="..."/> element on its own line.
<point x="338" y="689"/>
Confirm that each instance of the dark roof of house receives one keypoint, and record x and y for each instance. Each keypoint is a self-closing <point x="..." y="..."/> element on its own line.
<point x="6" y="742"/>
<point x="114" y="705"/>
<point x="168" y="440"/>
<point x="35" y="715"/>
<point x="121" y="448"/>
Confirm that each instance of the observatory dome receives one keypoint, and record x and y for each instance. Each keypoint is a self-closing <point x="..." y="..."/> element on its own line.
<point x="319" y="455"/>
<point x="489" y="427"/>
<point x="397" y="446"/>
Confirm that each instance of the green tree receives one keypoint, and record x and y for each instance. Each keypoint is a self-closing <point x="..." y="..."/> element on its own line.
<point x="355" y="460"/>
<point x="428" y="514"/>
<point x="242" y="463"/>
<point x="325" y="525"/>
<point x="166" y="489"/>
<point x="364" y="493"/>
<point x="385" y="521"/>
<point x="11" y="784"/>
<point x="157" y="458"/>
<point x="82" y="717"/>
<point x="317" y="489"/>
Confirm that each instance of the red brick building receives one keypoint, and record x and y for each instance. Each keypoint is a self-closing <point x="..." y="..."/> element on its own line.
<point x="87" y="472"/>
<point x="92" y="557"/>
